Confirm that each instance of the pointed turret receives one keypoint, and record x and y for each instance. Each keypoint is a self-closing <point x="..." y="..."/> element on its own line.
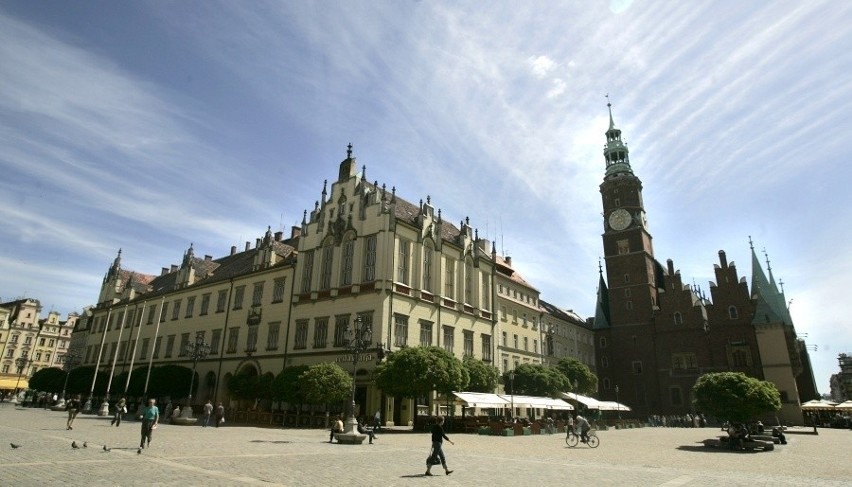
<point x="761" y="291"/>
<point x="602" y="306"/>
<point x="615" y="151"/>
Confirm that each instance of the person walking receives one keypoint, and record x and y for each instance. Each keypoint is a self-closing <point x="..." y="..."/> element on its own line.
<point x="220" y="414"/>
<point x="208" y="410"/>
<point x="150" y="419"/>
<point x="73" y="407"/>
<point x="377" y="420"/>
<point x="438" y="437"/>
<point x="120" y="409"/>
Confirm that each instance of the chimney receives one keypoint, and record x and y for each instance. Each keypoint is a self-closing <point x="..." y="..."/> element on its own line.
<point x="233" y="249"/>
<point x="278" y="236"/>
<point x="257" y="243"/>
<point x="174" y="268"/>
<point x="208" y="258"/>
<point x="295" y="231"/>
<point x="723" y="259"/>
<point x="508" y="260"/>
<point x="248" y="246"/>
<point x="164" y="271"/>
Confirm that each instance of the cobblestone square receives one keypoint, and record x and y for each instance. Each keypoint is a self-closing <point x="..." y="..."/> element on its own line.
<point x="238" y="455"/>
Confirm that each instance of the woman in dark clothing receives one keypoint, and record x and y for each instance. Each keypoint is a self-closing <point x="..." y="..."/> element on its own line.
<point x="438" y="437"/>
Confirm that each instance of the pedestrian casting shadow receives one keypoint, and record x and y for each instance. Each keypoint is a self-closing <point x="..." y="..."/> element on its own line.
<point x="413" y="476"/>
<point x="271" y="441"/>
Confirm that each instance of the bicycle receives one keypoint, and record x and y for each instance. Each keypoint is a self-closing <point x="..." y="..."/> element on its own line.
<point x="572" y="439"/>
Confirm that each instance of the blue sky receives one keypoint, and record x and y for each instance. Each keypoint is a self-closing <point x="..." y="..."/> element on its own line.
<point x="148" y="126"/>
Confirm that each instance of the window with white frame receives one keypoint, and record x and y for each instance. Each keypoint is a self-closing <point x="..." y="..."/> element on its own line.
<point x="307" y="271"/>
<point x="370" y="258"/>
<point x="402" y="262"/>
<point x="428" y="256"/>
<point x="400" y="329"/>
<point x="327" y="263"/>
<point x="425" y="333"/>
<point x="449" y="333"/>
<point x="347" y="254"/>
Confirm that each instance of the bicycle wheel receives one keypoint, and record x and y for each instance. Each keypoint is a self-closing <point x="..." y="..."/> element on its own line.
<point x="593" y="441"/>
<point x="571" y="440"/>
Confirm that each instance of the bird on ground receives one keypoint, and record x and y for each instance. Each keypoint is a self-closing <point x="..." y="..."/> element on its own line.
<point x="14" y="446"/>
<point x="106" y="449"/>
<point x="74" y="445"/>
<point x="138" y="451"/>
<point x="85" y="445"/>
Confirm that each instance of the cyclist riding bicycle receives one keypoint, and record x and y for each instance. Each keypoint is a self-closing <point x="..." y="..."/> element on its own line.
<point x="584" y="427"/>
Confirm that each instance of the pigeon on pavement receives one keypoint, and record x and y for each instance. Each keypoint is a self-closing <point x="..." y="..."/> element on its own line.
<point x="106" y="449"/>
<point x="85" y="445"/>
<point x="74" y="445"/>
<point x="138" y="451"/>
<point x="14" y="446"/>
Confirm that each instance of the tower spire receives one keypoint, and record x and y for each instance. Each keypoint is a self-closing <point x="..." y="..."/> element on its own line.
<point x="615" y="151"/>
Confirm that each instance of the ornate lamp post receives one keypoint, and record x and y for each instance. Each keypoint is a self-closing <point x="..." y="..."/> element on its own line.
<point x="512" y="391"/>
<point x="70" y="361"/>
<point x="195" y="351"/>
<point x="21" y="362"/>
<point x="358" y="337"/>
<point x="617" y="404"/>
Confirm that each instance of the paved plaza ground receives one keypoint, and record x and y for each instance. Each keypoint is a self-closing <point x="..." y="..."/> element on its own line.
<point x="239" y="455"/>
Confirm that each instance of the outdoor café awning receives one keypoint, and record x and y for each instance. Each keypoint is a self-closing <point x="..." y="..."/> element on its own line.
<point x="612" y="406"/>
<point x="589" y="402"/>
<point x="481" y="400"/>
<point x="818" y="405"/>
<point x="12" y="383"/>
<point x="847" y="405"/>
<point x="536" y="402"/>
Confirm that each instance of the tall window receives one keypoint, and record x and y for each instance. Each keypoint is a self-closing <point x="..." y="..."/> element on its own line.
<point x="400" y="329"/>
<point x="515" y="340"/>
<point x="425" y="333"/>
<point x="157" y="345"/>
<point x="340" y="325"/>
<point x="307" y="271"/>
<point x="486" y="348"/>
<point x="678" y="318"/>
<point x="301" y="334"/>
<point x="468" y="281"/>
<point x="164" y="312"/>
<point x="215" y="339"/>
<point x="233" y="339"/>
<point x="486" y="292"/>
<point x="221" y="300"/>
<point x="176" y="310"/>
<point x="190" y="306"/>
<point x="468" y="343"/>
<point x="450" y="279"/>
<point x="272" y="338"/>
<point x="370" y="258"/>
<point x="347" y="254"/>
<point x="205" y="304"/>
<point x="170" y="345"/>
<point x="428" y="256"/>
<point x="257" y="294"/>
<point x="239" y="292"/>
<point x="449" y="332"/>
<point x="402" y="262"/>
<point x="321" y="333"/>
<point x="143" y="354"/>
<point x="184" y="341"/>
<point x="505" y="342"/>
<point x="732" y="312"/>
<point x="151" y="313"/>
<point x="327" y="263"/>
<point x="251" y="339"/>
<point x="278" y="290"/>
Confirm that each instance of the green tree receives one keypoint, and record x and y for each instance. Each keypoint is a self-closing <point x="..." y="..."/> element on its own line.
<point x="287" y="387"/>
<point x="326" y="383"/>
<point x="536" y="380"/>
<point x="734" y="396"/>
<point x="242" y="386"/>
<point x="48" y="380"/>
<point x="169" y="380"/>
<point x="580" y="374"/>
<point x="483" y="376"/>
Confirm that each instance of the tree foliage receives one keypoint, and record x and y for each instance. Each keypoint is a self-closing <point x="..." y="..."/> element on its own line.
<point x="242" y="386"/>
<point x="169" y="380"/>
<point x="80" y="381"/>
<point x="483" y="376"/>
<point x="326" y="383"/>
<point x="416" y="371"/>
<point x="579" y="373"/>
<point x="287" y="387"/>
<point x="536" y="380"/>
<point x="734" y="396"/>
<point x="50" y="380"/>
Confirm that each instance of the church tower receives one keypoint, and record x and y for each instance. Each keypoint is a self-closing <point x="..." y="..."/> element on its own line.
<point x="628" y="253"/>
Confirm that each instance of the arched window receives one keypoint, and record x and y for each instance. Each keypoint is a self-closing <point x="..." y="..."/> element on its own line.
<point x="732" y="312"/>
<point x="428" y="258"/>
<point x="678" y="318"/>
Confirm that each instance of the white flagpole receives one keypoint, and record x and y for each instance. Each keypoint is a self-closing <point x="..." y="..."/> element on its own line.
<point x="88" y="405"/>
<point x="117" y="347"/>
<point x="135" y="344"/>
<point x="153" y="347"/>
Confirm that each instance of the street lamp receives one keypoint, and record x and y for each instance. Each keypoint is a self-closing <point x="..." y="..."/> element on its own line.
<point x="70" y="361"/>
<point x="358" y="337"/>
<point x="617" y="404"/>
<point x="512" y="391"/>
<point x="20" y="362"/>
<point x="195" y="351"/>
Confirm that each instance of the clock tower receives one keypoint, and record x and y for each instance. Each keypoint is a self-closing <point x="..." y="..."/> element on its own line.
<point x="628" y="253"/>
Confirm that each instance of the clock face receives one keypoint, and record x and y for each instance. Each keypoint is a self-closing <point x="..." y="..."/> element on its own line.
<point x="620" y="219"/>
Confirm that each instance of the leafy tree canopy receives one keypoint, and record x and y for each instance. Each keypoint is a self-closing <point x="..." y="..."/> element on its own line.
<point x="169" y="380"/>
<point x="483" y="376"/>
<point x="287" y="387"/>
<point x="50" y="380"/>
<point x="580" y="374"/>
<point x="734" y="396"/>
<point x="326" y="383"/>
<point x="417" y="371"/>
<point x="536" y="380"/>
